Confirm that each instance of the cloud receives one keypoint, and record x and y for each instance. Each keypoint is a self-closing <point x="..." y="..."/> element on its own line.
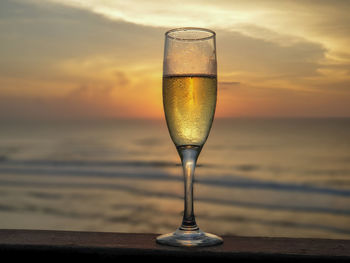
<point x="86" y="101"/>
<point x="240" y="52"/>
<point x="50" y="48"/>
<point x="305" y="16"/>
<point x="104" y="58"/>
<point x="320" y="29"/>
<point x="47" y="32"/>
<point x="226" y="85"/>
<point x="249" y="100"/>
<point x="229" y="83"/>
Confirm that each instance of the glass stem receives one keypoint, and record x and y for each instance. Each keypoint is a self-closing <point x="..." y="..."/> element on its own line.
<point x="189" y="156"/>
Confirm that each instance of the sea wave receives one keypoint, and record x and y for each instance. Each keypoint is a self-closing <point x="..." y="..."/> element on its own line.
<point x="98" y="169"/>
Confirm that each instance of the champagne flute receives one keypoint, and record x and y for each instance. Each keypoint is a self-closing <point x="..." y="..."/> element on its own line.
<point x="189" y="99"/>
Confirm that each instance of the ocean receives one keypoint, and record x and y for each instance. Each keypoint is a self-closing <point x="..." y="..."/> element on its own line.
<point x="255" y="177"/>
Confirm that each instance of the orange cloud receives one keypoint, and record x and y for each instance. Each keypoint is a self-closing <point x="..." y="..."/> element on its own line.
<point x="89" y="64"/>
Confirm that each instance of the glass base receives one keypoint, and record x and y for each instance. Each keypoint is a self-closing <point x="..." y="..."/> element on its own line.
<point x="189" y="238"/>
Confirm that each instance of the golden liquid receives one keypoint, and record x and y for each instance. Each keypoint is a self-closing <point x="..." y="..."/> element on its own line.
<point x="189" y="105"/>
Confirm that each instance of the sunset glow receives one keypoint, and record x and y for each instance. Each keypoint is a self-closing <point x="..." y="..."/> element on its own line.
<point x="103" y="59"/>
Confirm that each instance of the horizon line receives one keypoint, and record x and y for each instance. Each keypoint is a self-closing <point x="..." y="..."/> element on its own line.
<point x="163" y="118"/>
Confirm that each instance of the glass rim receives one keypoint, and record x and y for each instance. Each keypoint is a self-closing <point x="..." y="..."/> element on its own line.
<point x="184" y="29"/>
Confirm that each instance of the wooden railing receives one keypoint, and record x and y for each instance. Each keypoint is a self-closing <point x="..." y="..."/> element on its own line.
<point x="44" y="245"/>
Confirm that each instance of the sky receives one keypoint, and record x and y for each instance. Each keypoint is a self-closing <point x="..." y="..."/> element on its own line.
<point x="74" y="59"/>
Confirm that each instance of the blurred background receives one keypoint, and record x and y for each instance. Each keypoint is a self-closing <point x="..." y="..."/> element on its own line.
<point x="83" y="140"/>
